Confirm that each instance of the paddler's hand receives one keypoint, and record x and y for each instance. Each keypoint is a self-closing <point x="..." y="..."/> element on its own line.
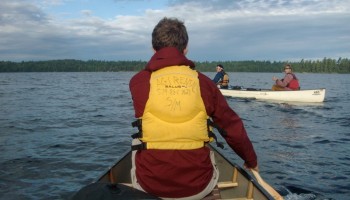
<point x="274" y="78"/>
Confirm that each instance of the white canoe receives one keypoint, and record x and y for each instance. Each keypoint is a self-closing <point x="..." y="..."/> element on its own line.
<point x="308" y="96"/>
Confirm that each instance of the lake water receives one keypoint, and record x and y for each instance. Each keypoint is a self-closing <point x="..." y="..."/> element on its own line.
<point x="60" y="131"/>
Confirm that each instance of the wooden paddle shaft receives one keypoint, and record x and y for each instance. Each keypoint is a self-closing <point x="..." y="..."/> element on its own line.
<point x="266" y="186"/>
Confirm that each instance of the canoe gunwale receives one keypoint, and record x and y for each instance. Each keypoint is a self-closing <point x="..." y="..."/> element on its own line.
<point x="243" y="172"/>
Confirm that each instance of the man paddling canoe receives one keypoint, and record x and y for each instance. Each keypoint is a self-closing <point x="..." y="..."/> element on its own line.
<point x="173" y="104"/>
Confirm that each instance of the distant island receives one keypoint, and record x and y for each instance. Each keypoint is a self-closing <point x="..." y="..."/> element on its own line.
<point x="326" y="65"/>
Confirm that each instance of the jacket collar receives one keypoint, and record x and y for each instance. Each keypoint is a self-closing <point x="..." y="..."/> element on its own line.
<point x="167" y="56"/>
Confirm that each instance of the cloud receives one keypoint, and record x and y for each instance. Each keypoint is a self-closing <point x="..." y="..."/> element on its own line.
<point x="271" y="30"/>
<point x="218" y="30"/>
<point x="28" y="33"/>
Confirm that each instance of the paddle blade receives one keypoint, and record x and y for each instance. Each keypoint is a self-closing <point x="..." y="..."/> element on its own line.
<point x="266" y="186"/>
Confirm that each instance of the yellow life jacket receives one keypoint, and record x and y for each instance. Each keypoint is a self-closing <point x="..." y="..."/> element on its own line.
<point x="175" y="115"/>
<point x="225" y="80"/>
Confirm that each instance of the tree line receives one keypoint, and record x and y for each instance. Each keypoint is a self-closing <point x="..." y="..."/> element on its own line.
<point x="326" y="65"/>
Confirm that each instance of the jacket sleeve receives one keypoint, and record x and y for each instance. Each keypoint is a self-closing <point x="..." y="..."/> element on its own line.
<point x="222" y="115"/>
<point x="217" y="77"/>
<point x="139" y="88"/>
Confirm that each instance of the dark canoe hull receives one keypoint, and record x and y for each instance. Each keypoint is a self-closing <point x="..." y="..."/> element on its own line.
<point x="234" y="182"/>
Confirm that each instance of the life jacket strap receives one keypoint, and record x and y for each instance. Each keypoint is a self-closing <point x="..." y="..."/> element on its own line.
<point x="222" y="132"/>
<point x="136" y="135"/>
<point x="138" y="124"/>
<point x="211" y="133"/>
<point x="218" y="144"/>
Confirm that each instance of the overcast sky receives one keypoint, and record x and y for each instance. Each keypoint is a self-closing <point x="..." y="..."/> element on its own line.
<point x="219" y="30"/>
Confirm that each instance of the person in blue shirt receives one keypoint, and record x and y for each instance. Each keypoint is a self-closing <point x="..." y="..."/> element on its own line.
<point x="221" y="78"/>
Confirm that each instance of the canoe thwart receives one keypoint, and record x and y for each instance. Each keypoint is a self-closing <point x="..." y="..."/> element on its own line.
<point x="227" y="184"/>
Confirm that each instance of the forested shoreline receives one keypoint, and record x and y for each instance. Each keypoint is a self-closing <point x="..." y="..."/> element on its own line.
<point x="326" y="65"/>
